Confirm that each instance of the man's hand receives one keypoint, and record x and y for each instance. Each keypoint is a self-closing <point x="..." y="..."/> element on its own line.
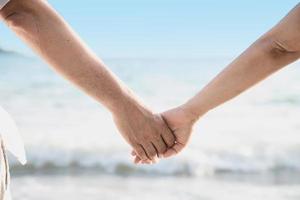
<point x="181" y="122"/>
<point x="146" y="132"/>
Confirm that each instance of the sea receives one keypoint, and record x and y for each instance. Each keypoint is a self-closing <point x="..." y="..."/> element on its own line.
<point x="248" y="148"/>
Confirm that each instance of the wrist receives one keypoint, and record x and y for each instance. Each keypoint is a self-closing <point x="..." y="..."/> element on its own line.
<point x="127" y="103"/>
<point x="193" y="112"/>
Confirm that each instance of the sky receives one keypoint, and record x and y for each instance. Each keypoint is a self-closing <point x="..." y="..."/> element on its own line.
<point x="164" y="28"/>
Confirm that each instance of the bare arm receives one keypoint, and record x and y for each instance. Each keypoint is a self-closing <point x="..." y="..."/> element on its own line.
<point x="49" y="35"/>
<point x="274" y="50"/>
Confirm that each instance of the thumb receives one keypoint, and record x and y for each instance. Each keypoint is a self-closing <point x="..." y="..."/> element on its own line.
<point x="176" y="149"/>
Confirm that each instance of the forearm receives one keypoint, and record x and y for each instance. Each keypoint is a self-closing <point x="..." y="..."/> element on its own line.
<point x="274" y="50"/>
<point x="46" y="32"/>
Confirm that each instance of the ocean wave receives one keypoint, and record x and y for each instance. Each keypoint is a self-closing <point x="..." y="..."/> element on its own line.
<point x="195" y="164"/>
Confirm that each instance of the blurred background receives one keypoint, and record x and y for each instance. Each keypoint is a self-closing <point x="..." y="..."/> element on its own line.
<point x="165" y="51"/>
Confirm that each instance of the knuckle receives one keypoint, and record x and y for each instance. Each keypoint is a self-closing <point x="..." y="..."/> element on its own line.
<point x="171" y="140"/>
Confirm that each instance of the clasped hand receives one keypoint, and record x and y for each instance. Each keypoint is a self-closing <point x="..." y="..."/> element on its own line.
<point x="154" y="136"/>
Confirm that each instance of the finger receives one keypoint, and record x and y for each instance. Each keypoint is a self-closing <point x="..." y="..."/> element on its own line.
<point x="177" y="148"/>
<point x="168" y="135"/>
<point x="155" y="160"/>
<point x="151" y="151"/>
<point x="141" y="152"/>
<point x="169" y="138"/>
<point x="148" y="162"/>
<point x="170" y="152"/>
<point x="137" y="160"/>
<point x="160" y="146"/>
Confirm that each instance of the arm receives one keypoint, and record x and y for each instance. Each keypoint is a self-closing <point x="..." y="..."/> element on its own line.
<point x="274" y="50"/>
<point x="48" y="34"/>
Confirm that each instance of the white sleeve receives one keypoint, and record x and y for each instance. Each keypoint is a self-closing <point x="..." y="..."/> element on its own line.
<point x="11" y="137"/>
<point x="4" y="174"/>
<point x="3" y="3"/>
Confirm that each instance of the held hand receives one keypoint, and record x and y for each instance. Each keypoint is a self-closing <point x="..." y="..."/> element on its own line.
<point x="146" y="132"/>
<point x="181" y="122"/>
